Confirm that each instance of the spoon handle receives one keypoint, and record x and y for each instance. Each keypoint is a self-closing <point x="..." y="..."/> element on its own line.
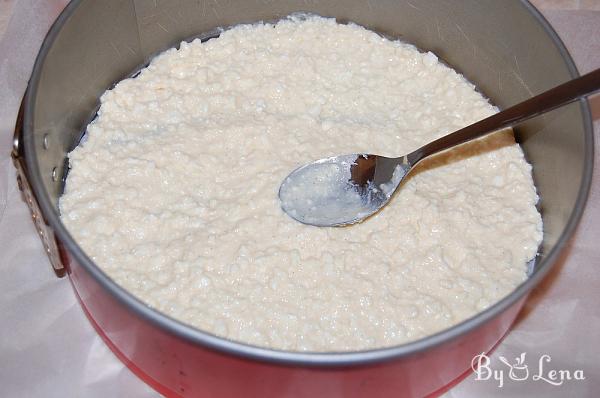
<point x="542" y="103"/>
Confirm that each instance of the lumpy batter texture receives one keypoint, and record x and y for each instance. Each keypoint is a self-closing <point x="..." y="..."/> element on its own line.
<point x="174" y="192"/>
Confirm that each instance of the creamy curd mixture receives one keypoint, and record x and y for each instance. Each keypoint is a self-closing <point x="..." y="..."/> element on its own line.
<point x="174" y="192"/>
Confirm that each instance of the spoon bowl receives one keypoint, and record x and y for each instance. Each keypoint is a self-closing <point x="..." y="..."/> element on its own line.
<point x="341" y="190"/>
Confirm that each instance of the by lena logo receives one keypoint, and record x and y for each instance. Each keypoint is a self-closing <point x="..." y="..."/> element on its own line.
<point x="519" y="370"/>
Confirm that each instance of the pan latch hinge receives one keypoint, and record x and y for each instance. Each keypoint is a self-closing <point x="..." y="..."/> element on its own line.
<point x="44" y="230"/>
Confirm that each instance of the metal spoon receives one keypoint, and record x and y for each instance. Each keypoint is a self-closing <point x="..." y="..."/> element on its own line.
<point x="346" y="189"/>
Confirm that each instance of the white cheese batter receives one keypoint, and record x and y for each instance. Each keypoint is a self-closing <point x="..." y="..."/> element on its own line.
<point x="174" y="193"/>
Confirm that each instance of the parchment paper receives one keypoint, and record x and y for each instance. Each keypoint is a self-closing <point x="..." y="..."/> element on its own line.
<point x="49" y="349"/>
